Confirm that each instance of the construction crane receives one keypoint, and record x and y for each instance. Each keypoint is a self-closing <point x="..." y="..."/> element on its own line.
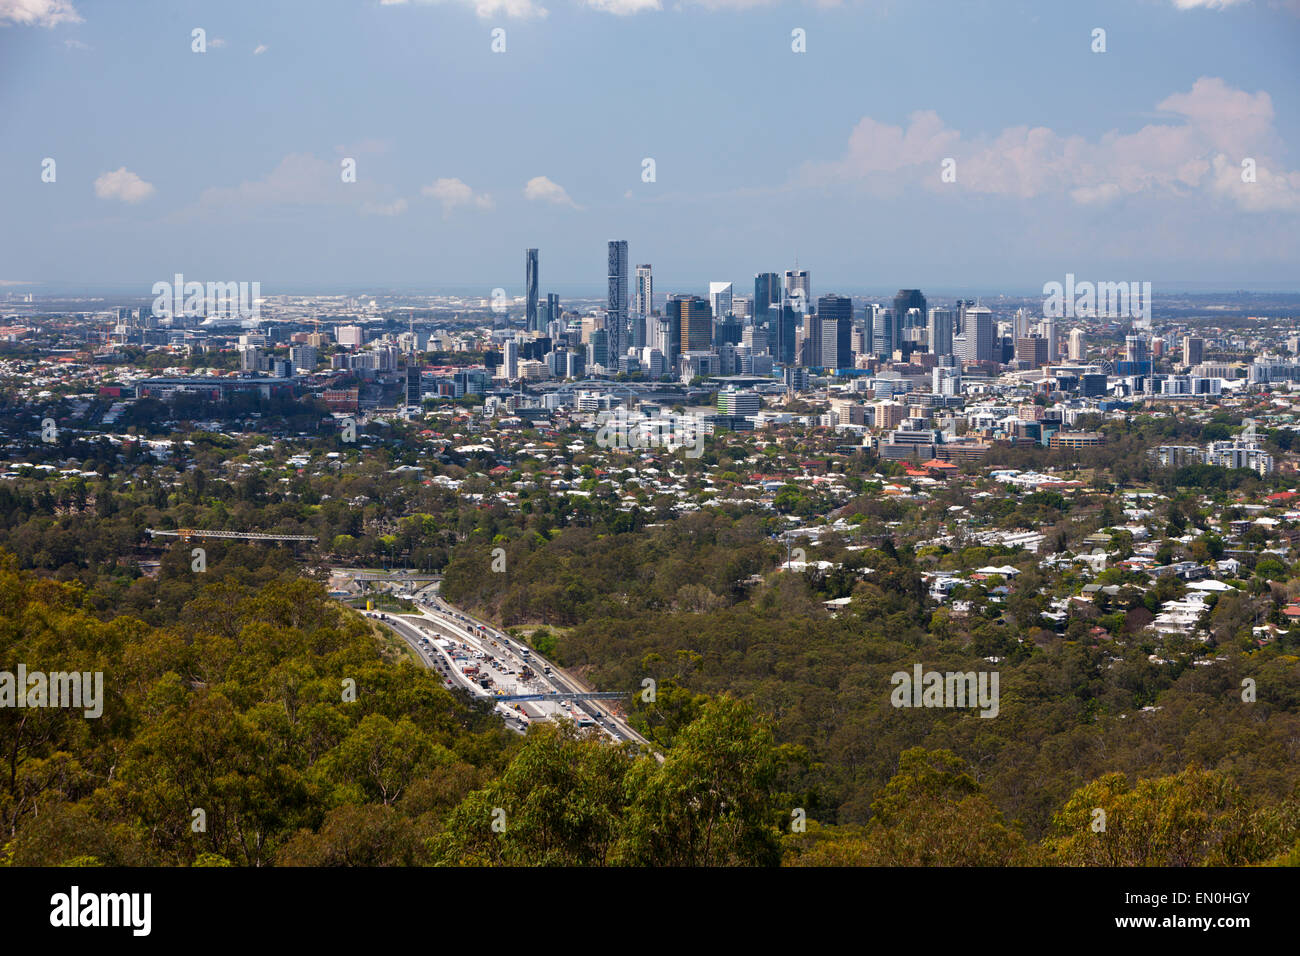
<point x="186" y="533"/>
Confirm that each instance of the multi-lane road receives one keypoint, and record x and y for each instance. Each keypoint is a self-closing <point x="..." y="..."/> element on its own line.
<point x="449" y="641"/>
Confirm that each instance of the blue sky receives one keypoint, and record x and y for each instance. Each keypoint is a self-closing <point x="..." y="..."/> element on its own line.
<point x="226" y="165"/>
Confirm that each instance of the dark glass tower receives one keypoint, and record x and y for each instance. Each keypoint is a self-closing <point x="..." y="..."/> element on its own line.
<point x="530" y="291"/>
<point x="616" y="305"/>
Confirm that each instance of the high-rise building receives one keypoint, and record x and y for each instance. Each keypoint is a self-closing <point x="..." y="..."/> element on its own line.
<point x="303" y="357"/>
<point x="530" y="292"/>
<point x="767" y="293"/>
<point x="883" y="333"/>
<point x="1193" y="350"/>
<point x="598" y="348"/>
<point x="1032" y="350"/>
<point x="835" y="315"/>
<point x="351" y="336"/>
<point x="617" y="304"/>
<point x="510" y="360"/>
<point x="1136" y="349"/>
<point x="413" y="391"/>
<point x="694" y="321"/>
<point x="643" y="302"/>
<point x="783" y="346"/>
<point x="981" y="342"/>
<point x="904" y="301"/>
<point x="1078" y="345"/>
<point x="720" y="299"/>
<point x="939" y="332"/>
<point x="798" y="291"/>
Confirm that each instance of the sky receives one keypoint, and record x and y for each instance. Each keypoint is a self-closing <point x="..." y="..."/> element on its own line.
<point x="229" y="164"/>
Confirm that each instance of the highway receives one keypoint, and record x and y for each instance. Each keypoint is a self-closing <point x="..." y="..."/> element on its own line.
<point x="476" y="643"/>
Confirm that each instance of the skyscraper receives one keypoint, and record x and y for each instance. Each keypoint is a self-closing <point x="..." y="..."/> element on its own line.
<point x="835" y="313"/>
<point x="798" y="289"/>
<point x="767" y="293"/>
<point x="939" y="332"/>
<point x="1193" y="350"/>
<point x="643" y="302"/>
<point x="782" y="345"/>
<point x="981" y="342"/>
<point x="530" y="291"/>
<point x="616" y="307"/>
<point x="883" y="333"/>
<point x="904" y="302"/>
<point x="720" y="299"/>
<point x="1078" y="345"/>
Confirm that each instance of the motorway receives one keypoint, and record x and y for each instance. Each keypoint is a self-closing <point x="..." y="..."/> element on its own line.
<point x="447" y="640"/>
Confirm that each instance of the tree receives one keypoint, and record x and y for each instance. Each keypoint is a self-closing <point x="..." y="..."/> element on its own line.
<point x="710" y="802"/>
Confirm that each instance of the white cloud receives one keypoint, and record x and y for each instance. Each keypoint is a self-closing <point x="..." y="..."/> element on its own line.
<point x="623" y="7"/>
<point x="76" y="45"/>
<point x="260" y="49"/>
<point x="541" y="189"/>
<point x="38" y="13"/>
<point x="299" y="179"/>
<point x="453" y="192"/>
<point x="1214" y="127"/>
<point x="124" y="185"/>
<point x="384" y="209"/>
<point x="1206" y="4"/>
<point x="517" y="9"/>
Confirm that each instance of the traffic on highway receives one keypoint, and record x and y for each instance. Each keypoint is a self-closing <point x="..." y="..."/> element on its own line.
<point x="474" y="657"/>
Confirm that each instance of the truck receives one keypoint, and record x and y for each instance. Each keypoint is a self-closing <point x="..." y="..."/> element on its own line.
<point x="470" y="671"/>
<point x="526" y="673"/>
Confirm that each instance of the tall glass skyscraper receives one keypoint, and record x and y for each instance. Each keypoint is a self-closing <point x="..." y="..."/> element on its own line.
<point x="767" y="293"/>
<point x="616" y="307"/>
<point x="530" y="291"/>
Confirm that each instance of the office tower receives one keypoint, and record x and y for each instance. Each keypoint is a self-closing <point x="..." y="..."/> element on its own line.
<point x="691" y="325"/>
<point x="303" y="357"/>
<point x="1078" y="345"/>
<point x="1020" y="325"/>
<point x="767" y="293"/>
<point x="643" y="302"/>
<point x="1193" y="350"/>
<point x="413" y="386"/>
<point x="351" y="336"/>
<point x="727" y="331"/>
<point x="754" y="337"/>
<point x="904" y="302"/>
<point x="798" y="289"/>
<point x="809" y="335"/>
<point x="530" y="291"/>
<point x="510" y="360"/>
<point x="1136" y="349"/>
<point x="742" y="306"/>
<point x="720" y="299"/>
<point x="616" y="307"/>
<point x="939" y="332"/>
<point x="782" y="346"/>
<point x="1047" y="329"/>
<point x="1032" y="350"/>
<point x="598" y="348"/>
<point x="882" y="333"/>
<point x="835" y="313"/>
<point x="981" y="342"/>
